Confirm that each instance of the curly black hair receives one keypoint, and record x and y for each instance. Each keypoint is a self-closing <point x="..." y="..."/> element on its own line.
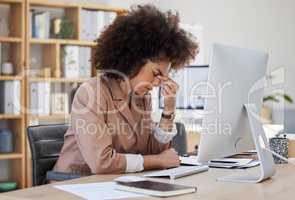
<point x="141" y="34"/>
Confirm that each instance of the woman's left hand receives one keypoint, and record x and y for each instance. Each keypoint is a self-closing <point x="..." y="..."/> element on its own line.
<point x="169" y="90"/>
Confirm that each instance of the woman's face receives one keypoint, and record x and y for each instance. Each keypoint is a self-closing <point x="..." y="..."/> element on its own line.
<point x="151" y="75"/>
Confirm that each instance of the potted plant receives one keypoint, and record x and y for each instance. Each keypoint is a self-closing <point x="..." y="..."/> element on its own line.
<point x="266" y="111"/>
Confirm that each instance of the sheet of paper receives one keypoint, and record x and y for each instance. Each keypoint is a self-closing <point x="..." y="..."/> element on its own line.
<point x="253" y="163"/>
<point x="189" y="160"/>
<point x="236" y="161"/>
<point x="94" y="191"/>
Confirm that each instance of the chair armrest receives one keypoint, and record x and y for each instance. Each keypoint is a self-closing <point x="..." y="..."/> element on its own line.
<point x="61" y="176"/>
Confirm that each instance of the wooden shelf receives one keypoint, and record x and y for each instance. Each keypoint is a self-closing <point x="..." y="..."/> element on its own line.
<point x="10" y="116"/>
<point x="96" y="6"/>
<point x="103" y="8"/>
<point x="9" y="78"/>
<point x="49" y="117"/>
<point x="10" y="1"/>
<point x="51" y="55"/>
<point x="10" y="39"/>
<point x="58" y="80"/>
<point x="5" y="156"/>
<point x="10" y="156"/>
<point x="62" y="42"/>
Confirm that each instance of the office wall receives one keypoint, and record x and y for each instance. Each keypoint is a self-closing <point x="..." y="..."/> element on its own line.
<point x="268" y="25"/>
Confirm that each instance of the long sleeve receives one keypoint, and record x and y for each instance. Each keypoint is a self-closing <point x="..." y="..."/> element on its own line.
<point x="164" y="136"/>
<point x="159" y="140"/>
<point x="93" y="134"/>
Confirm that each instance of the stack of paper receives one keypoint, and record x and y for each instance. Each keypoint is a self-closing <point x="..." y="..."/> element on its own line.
<point x="221" y="163"/>
<point x="102" y="190"/>
<point x="233" y="163"/>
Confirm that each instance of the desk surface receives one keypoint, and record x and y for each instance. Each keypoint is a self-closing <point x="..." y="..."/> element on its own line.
<point x="281" y="186"/>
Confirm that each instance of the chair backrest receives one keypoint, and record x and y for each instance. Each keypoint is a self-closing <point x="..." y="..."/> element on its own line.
<point x="179" y="142"/>
<point x="72" y="95"/>
<point x="46" y="142"/>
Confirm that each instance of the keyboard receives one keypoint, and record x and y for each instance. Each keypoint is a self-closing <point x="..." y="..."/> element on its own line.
<point x="178" y="172"/>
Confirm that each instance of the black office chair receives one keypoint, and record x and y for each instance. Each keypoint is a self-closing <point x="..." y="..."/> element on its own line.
<point x="46" y="142"/>
<point x="179" y="142"/>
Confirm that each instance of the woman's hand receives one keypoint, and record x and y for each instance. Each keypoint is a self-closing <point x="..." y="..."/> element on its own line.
<point x="169" y="158"/>
<point x="166" y="159"/>
<point x="169" y="90"/>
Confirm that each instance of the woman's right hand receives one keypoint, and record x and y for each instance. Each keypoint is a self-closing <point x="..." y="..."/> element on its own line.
<point x="169" y="158"/>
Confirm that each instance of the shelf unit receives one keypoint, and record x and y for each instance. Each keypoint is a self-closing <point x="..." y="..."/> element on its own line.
<point x="51" y="49"/>
<point x="16" y="55"/>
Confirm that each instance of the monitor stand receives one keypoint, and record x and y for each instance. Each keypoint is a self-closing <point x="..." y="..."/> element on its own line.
<point x="262" y="147"/>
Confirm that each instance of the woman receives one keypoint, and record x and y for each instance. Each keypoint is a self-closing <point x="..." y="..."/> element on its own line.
<point x="111" y="129"/>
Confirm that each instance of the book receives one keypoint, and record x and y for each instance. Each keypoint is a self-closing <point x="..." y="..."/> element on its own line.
<point x="83" y="24"/>
<point x="10" y="93"/>
<point x="71" y="61"/>
<point x="109" y="18"/>
<point x="100" y="23"/>
<point x="155" y="188"/>
<point x="0" y="57"/>
<point x="40" y="98"/>
<point x="44" y="97"/>
<point x="84" y="62"/>
<point x="92" y="24"/>
<point x="32" y="24"/>
<point x="34" y="99"/>
<point x="59" y="103"/>
<point x="40" y="24"/>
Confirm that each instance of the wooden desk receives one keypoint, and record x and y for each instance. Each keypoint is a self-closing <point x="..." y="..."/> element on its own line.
<point x="280" y="187"/>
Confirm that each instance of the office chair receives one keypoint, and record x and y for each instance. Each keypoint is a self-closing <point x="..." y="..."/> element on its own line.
<point x="179" y="142"/>
<point x="46" y="142"/>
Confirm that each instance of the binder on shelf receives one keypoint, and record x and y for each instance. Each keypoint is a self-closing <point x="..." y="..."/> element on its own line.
<point x="60" y="103"/>
<point x="100" y="24"/>
<point x="10" y="97"/>
<point x="71" y="61"/>
<point x="94" y="22"/>
<point x="110" y="17"/>
<point x="40" y="24"/>
<point x="40" y="98"/>
<point x="34" y="99"/>
<point x="84" y="62"/>
<point x="0" y="58"/>
<point x="44" y="96"/>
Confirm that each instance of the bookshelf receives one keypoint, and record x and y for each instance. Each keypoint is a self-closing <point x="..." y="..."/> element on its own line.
<point x="12" y="37"/>
<point x="49" y="51"/>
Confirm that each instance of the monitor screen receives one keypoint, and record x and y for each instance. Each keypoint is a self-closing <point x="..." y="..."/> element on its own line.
<point x="192" y="81"/>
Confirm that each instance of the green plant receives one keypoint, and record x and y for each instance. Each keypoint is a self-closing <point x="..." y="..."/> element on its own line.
<point x="66" y="29"/>
<point x="275" y="98"/>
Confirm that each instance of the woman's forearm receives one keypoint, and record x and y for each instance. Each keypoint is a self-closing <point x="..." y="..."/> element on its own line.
<point x="152" y="162"/>
<point x="166" y="159"/>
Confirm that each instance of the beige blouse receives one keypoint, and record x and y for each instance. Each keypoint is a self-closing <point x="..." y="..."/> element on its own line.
<point x="104" y="129"/>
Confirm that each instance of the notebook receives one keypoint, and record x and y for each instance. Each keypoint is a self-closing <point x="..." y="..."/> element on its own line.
<point x="178" y="172"/>
<point x="154" y="188"/>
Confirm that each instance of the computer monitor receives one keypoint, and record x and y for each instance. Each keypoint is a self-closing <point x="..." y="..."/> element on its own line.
<point x="192" y="81"/>
<point x="289" y="117"/>
<point x="236" y="77"/>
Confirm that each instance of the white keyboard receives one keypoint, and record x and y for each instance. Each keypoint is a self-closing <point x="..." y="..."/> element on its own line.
<point x="178" y="172"/>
